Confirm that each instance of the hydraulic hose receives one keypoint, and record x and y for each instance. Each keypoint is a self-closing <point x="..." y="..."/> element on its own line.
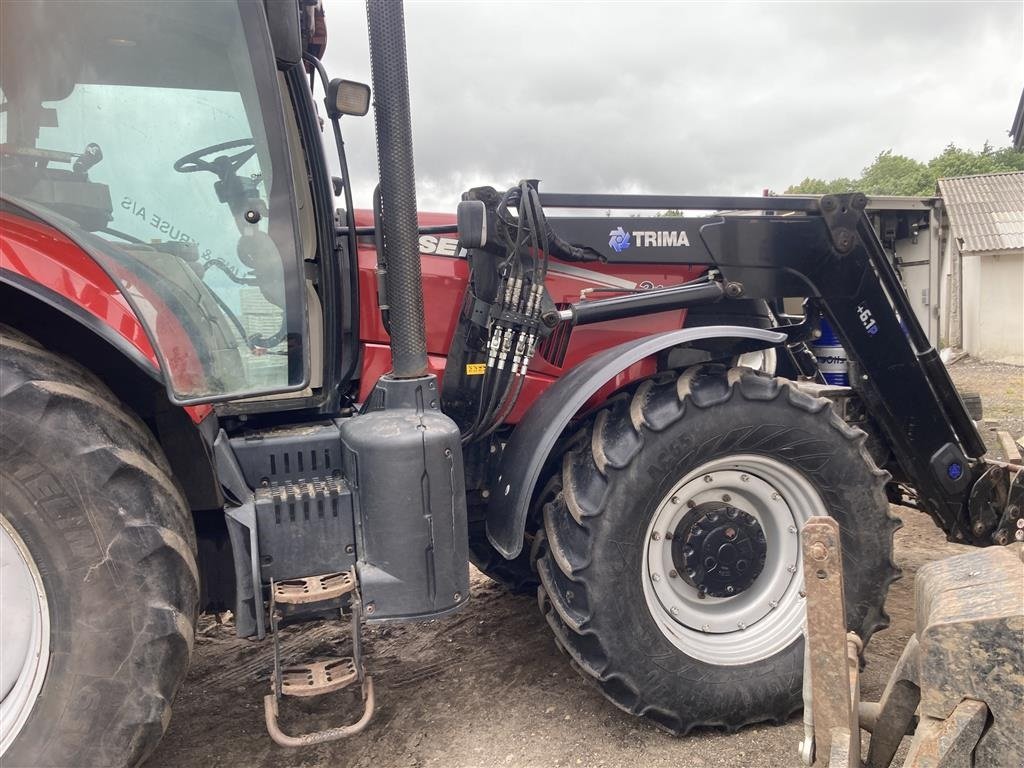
<point x="386" y="21"/>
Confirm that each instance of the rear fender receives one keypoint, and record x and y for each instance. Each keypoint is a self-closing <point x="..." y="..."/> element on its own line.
<point x="528" y="449"/>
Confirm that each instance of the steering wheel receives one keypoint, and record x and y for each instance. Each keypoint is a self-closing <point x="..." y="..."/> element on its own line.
<point x="222" y="165"/>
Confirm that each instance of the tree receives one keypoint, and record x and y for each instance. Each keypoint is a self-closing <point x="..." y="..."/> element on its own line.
<point x="891" y="174"/>
<point x="896" y="175"/>
<point x="821" y="187"/>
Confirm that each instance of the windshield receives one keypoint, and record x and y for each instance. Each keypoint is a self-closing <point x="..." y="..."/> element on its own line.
<point x="154" y="130"/>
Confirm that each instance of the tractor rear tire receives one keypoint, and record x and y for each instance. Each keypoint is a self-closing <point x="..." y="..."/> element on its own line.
<point x="102" y="535"/>
<point x="657" y="488"/>
<point x="517" y="575"/>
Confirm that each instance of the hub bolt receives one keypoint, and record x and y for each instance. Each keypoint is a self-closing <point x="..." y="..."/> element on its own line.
<point x="773" y="604"/>
<point x="673" y="575"/>
<point x="674" y="611"/>
<point x="655" y="577"/>
<point x="741" y="625"/>
<point x="675" y="499"/>
<point x="707" y="478"/>
<point x="792" y="529"/>
<point x="745" y="478"/>
<point x="730" y="533"/>
<point x="726" y="497"/>
<point x="668" y="535"/>
<point x="691" y="503"/>
<point x="1020" y="523"/>
<point x="775" y="497"/>
<point x="791" y="568"/>
<point x="729" y="589"/>
<point x="705" y="627"/>
<point x="656" y="536"/>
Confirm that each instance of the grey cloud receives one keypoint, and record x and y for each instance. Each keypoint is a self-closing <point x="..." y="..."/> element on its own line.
<point x="690" y="97"/>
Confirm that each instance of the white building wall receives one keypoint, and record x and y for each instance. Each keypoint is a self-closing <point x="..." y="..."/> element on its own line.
<point x="970" y="271"/>
<point x="949" y="293"/>
<point x="996" y="316"/>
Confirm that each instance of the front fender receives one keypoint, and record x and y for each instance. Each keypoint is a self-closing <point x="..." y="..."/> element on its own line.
<point x="536" y="434"/>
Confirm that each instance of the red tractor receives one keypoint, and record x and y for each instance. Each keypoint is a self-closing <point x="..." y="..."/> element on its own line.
<point x="219" y="390"/>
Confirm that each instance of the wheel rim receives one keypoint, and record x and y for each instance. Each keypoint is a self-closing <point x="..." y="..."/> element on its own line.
<point x="24" y="634"/>
<point x="765" y="616"/>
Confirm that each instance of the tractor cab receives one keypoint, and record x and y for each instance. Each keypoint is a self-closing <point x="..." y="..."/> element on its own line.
<point x="162" y="138"/>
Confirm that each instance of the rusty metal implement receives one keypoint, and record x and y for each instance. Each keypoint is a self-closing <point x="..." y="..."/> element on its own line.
<point x="958" y="688"/>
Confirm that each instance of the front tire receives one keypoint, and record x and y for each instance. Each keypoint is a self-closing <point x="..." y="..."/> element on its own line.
<point x="670" y="571"/>
<point x="94" y="519"/>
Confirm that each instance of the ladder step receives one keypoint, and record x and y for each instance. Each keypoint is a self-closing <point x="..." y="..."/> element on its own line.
<point x="318" y="677"/>
<point x="313" y="589"/>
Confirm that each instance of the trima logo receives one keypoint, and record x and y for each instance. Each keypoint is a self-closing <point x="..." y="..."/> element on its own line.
<point x="661" y="239"/>
<point x="619" y="240"/>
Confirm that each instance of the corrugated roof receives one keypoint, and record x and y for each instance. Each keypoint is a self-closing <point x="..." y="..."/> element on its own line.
<point x="986" y="211"/>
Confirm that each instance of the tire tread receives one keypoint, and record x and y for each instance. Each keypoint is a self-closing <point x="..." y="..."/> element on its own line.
<point x="54" y="405"/>
<point x="614" y="438"/>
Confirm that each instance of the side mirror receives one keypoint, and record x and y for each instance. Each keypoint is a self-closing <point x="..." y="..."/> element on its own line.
<point x="345" y="97"/>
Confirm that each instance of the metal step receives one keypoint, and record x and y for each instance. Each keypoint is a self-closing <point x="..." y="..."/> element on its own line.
<point x="318" y="677"/>
<point x="270" y="714"/>
<point x="313" y="589"/>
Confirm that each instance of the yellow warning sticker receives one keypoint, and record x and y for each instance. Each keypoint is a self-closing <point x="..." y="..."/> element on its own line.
<point x="476" y="369"/>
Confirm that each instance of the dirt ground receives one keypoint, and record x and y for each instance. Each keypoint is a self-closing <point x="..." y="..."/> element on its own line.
<point x="487" y="687"/>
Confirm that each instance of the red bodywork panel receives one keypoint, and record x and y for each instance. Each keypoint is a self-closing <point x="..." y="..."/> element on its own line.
<point x="444" y="281"/>
<point x="39" y="253"/>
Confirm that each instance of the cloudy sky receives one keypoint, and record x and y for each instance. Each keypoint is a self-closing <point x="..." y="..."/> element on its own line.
<point x="686" y="98"/>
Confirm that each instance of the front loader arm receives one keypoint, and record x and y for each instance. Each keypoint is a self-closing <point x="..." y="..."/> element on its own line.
<point x="825" y="249"/>
<point x="836" y="259"/>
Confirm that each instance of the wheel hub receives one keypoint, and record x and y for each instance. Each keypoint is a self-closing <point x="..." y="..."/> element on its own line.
<point x="719" y="549"/>
<point x="24" y="634"/>
<point x="764" y="612"/>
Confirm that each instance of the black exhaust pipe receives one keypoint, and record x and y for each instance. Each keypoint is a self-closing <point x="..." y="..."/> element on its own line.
<point x="401" y="454"/>
<point x="386" y="20"/>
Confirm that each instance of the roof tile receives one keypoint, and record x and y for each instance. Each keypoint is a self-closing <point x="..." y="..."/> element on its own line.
<point x="986" y="211"/>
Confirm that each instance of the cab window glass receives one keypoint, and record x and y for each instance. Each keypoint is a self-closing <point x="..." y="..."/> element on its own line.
<point x="154" y="131"/>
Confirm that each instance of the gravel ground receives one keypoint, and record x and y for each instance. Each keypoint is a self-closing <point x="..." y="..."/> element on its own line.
<point x="487" y="686"/>
<point x="1000" y="387"/>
